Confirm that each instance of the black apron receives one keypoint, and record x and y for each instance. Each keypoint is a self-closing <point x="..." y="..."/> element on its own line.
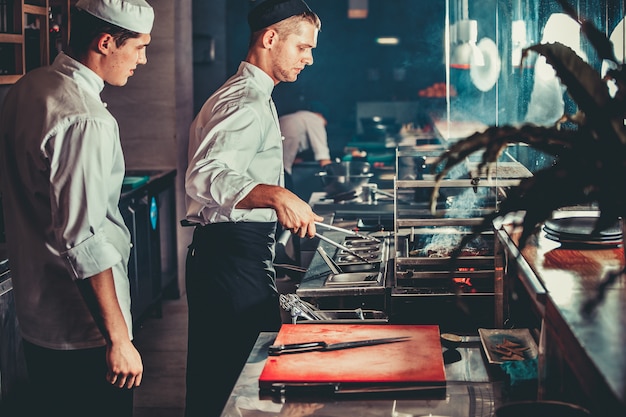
<point x="231" y="297"/>
<point x="236" y="261"/>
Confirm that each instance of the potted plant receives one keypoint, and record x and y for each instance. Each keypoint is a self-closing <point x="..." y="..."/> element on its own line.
<point x="590" y="157"/>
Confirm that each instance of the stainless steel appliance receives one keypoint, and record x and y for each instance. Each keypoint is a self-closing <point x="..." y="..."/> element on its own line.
<point x="429" y="286"/>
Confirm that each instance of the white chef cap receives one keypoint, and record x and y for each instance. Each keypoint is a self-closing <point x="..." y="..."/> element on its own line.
<point x="135" y="15"/>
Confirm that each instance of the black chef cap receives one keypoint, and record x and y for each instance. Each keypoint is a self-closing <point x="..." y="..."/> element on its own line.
<point x="272" y="11"/>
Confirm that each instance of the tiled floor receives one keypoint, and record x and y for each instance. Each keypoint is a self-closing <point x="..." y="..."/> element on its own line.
<point x="162" y="343"/>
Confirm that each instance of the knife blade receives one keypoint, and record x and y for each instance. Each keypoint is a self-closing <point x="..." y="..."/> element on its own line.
<point x="275" y="350"/>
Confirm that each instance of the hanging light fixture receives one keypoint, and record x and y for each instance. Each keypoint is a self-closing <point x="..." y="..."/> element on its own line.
<point x="464" y="36"/>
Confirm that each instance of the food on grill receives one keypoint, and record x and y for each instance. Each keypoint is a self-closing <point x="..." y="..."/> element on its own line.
<point x="443" y="246"/>
<point x="445" y="252"/>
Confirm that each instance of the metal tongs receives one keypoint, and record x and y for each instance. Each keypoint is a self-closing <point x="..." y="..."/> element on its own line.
<point x="334" y="268"/>
<point x="343" y="248"/>
<point x="299" y="308"/>
<point x="346" y="231"/>
<point x="340" y="246"/>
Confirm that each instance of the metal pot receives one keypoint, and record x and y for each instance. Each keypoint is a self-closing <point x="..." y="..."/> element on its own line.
<point x="379" y="128"/>
<point x="345" y="177"/>
<point x="541" y="409"/>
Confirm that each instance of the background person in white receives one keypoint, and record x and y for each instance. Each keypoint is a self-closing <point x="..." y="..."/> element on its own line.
<point x="304" y="130"/>
<point x="61" y="173"/>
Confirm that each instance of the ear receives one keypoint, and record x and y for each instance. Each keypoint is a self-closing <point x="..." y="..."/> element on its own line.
<point x="270" y="37"/>
<point x="104" y="43"/>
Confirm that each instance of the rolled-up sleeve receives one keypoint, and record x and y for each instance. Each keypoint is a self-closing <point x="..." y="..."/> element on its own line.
<point x="216" y="176"/>
<point x="81" y="163"/>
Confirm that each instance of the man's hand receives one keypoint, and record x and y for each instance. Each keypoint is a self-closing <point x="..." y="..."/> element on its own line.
<point x="124" y="364"/>
<point x="296" y="215"/>
<point x="293" y="213"/>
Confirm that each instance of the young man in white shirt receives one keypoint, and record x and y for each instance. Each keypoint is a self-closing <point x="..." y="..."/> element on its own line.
<point x="61" y="172"/>
<point x="235" y="196"/>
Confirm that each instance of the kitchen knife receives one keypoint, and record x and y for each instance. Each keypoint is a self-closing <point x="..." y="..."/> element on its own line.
<point x="323" y="346"/>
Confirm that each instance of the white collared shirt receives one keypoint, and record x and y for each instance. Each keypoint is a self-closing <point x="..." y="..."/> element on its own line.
<point x="303" y="130"/>
<point x="234" y="145"/>
<point x="61" y="172"/>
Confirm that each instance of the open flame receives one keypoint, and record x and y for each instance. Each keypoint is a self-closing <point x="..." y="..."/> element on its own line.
<point x="464" y="284"/>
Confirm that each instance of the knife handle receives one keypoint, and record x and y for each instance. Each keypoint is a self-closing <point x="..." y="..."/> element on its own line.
<point x="295" y="348"/>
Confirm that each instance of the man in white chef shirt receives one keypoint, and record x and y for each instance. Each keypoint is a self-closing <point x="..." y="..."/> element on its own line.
<point x="61" y="172"/>
<point x="303" y="131"/>
<point x="235" y="196"/>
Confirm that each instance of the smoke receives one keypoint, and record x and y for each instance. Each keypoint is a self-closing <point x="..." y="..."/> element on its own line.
<point x="463" y="205"/>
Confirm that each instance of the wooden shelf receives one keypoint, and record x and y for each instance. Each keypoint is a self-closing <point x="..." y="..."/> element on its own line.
<point x="34" y="9"/>
<point x="10" y="79"/>
<point x="30" y="51"/>
<point x="11" y="38"/>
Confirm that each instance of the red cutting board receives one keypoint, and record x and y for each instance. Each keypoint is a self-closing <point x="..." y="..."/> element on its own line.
<point x="415" y="362"/>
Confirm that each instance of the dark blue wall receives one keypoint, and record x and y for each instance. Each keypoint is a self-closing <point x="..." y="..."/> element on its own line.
<point x="349" y="66"/>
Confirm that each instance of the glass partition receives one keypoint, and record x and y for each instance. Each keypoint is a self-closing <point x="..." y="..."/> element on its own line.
<point x="488" y="83"/>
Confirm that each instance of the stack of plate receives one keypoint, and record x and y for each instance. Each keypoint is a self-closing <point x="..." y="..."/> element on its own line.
<point x="578" y="230"/>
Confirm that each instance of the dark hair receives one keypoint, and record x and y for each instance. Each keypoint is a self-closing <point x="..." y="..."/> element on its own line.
<point x="288" y="26"/>
<point x="86" y="27"/>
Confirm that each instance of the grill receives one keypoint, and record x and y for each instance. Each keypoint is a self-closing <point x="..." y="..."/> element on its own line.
<point x="428" y="285"/>
<point x="375" y="252"/>
<point x="426" y="266"/>
<point x="460" y="295"/>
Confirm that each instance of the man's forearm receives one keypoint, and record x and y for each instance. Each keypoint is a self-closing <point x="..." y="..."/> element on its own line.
<point x="261" y="196"/>
<point x="101" y="299"/>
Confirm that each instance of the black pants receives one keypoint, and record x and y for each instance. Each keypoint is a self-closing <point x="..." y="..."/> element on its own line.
<point x="71" y="383"/>
<point x="231" y="296"/>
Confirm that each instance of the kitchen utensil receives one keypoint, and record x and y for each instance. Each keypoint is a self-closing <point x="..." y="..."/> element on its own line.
<point x="323" y="346"/>
<point x="346" y="231"/>
<point x="490" y="338"/>
<point x="570" y="242"/>
<point x="344" y="177"/>
<point x="377" y="120"/>
<point x="328" y="261"/>
<point x="340" y="246"/>
<point x="368" y="193"/>
<point x="541" y="409"/>
<point x="453" y="341"/>
<point x="350" y="317"/>
<point x="579" y="227"/>
<point x="299" y="308"/>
